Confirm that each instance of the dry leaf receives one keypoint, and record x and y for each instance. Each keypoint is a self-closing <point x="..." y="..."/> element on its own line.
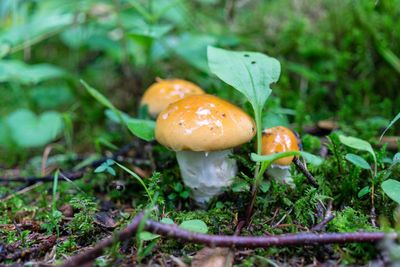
<point x="213" y="257"/>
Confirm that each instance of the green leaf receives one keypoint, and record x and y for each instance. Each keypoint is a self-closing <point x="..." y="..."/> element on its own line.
<point x="137" y="177"/>
<point x="167" y="221"/>
<point x="358" y="144"/>
<point x="364" y="191"/>
<point x="101" y="168"/>
<point x="251" y="73"/>
<point x="19" y="72"/>
<point x="143" y="129"/>
<point x="195" y="226"/>
<point x="310" y="158"/>
<point x="100" y="97"/>
<point x="392" y="189"/>
<point x="147" y="236"/>
<point x="265" y="186"/>
<point x="150" y="31"/>
<point x="358" y="161"/>
<point x="240" y="186"/>
<point x="390" y="125"/>
<point x="29" y="130"/>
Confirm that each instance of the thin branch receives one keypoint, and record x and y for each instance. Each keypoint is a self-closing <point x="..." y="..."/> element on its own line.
<point x="173" y="231"/>
<point x="301" y="167"/>
<point x="97" y="251"/>
<point x="70" y="175"/>
<point x="328" y="217"/>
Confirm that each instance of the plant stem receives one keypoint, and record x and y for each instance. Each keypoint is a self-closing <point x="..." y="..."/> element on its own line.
<point x="254" y="190"/>
<point x="54" y="202"/>
<point x="249" y="209"/>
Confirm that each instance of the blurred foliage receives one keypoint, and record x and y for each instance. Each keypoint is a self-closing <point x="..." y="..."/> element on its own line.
<point x="340" y="61"/>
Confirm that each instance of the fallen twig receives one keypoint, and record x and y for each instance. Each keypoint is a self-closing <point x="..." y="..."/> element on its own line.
<point x="328" y="217"/>
<point x="75" y="175"/>
<point x="47" y="243"/>
<point x="301" y="167"/>
<point x="173" y="231"/>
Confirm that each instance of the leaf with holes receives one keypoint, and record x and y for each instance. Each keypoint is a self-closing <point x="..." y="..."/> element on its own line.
<point x="251" y="73"/>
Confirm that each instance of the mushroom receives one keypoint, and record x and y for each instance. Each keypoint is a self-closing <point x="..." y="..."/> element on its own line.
<point x="164" y="92"/>
<point x="280" y="139"/>
<point x="203" y="129"/>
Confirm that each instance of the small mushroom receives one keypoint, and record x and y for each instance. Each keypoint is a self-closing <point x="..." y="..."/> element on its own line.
<point x="280" y="139"/>
<point x="164" y="92"/>
<point x="203" y="129"/>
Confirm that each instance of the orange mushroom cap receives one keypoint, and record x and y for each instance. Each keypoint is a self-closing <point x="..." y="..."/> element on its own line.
<point x="279" y="139"/>
<point x="164" y="92"/>
<point x="203" y="123"/>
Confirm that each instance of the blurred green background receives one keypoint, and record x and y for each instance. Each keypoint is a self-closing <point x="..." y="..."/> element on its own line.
<point x="339" y="62"/>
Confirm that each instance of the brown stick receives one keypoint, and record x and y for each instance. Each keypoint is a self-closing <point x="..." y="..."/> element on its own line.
<point x="300" y="166"/>
<point x="173" y="231"/>
<point x="328" y="217"/>
<point x="70" y="175"/>
<point x="97" y="251"/>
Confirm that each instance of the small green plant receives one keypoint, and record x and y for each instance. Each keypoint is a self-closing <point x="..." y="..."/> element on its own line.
<point x="179" y="192"/>
<point x="54" y="218"/>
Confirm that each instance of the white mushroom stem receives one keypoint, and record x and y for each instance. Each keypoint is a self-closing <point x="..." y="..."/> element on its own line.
<point x="206" y="173"/>
<point x="281" y="174"/>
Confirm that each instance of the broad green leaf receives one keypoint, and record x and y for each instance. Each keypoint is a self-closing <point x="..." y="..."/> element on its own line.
<point x="358" y="161"/>
<point x="392" y="189"/>
<point x="29" y="130"/>
<point x="39" y="25"/>
<point x="251" y="73"/>
<point x="310" y="158"/>
<point x="364" y="191"/>
<point x="143" y="129"/>
<point x="390" y="125"/>
<point x="357" y="144"/>
<point x="19" y="72"/>
<point x="195" y="226"/>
